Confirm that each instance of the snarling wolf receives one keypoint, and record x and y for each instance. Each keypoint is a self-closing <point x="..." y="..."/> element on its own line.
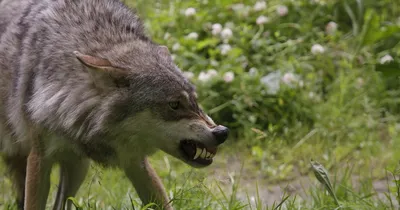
<point x="80" y="81"/>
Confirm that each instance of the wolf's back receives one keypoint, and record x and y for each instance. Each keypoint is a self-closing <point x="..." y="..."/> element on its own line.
<point x="9" y="10"/>
<point x="37" y="41"/>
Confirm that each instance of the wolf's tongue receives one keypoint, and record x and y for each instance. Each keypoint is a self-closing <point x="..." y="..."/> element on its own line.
<point x="189" y="149"/>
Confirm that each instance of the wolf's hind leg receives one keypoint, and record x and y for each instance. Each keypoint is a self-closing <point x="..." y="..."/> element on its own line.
<point x="17" y="167"/>
<point x="72" y="174"/>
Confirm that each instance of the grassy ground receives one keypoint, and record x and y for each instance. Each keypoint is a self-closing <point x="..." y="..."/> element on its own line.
<point x="236" y="182"/>
<point x="338" y="106"/>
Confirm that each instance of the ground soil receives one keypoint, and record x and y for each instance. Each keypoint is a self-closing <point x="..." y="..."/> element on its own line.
<point x="273" y="192"/>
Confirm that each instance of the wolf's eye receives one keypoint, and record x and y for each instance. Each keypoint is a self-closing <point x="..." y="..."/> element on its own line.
<point x="174" y="105"/>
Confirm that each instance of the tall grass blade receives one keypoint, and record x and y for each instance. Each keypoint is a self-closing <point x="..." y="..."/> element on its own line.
<point x="322" y="176"/>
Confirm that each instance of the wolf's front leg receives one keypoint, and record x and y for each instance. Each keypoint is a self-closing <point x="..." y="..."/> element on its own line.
<point x="37" y="181"/>
<point x="72" y="174"/>
<point x="147" y="184"/>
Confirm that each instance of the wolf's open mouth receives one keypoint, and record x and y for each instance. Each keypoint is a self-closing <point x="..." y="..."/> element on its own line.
<point x="198" y="152"/>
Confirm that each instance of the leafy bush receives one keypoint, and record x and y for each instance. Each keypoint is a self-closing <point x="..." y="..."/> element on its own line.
<point x="272" y="65"/>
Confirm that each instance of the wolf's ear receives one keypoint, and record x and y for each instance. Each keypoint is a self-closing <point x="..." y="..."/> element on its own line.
<point x="100" y="64"/>
<point x="164" y="52"/>
<point x="102" y="71"/>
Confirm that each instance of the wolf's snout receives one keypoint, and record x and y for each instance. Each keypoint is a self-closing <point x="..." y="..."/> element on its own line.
<point x="221" y="133"/>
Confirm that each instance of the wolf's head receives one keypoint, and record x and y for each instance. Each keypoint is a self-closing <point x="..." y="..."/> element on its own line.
<point x="155" y="105"/>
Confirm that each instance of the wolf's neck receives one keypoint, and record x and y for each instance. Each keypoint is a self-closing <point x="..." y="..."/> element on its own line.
<point x="78" y="109"/>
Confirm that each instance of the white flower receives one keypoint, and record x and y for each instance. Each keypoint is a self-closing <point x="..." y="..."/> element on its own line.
<point x="253" y="72"/>
<point x="386" y="59"/>
<point x="331" y="27"/>
<point x="238" y="7"/>
<point x="225" y="48"/>
<point x="314" y="97"/>
<point x="282" y="10"/>
<point x="214" y="63"/>
<point x="212" y="73"/>
<point x="226" y="33"/>
<point x="190" y="11"/>
<point x="262" y="20"/>
<point x="216" y="29"/>
<point x="188" y="74"/>
<point x="193" y="35"/>
<point x="176" y="46"/>
<point x="229" y="24"/>
<point x="359" y="82"/>
<point x="290" y="79"/>
<point x="204" y="77"/>
<point x="311" y="95"/>
<point x="301" y="83"/>
<point x="260" y="5"/>
<point x="167" y="35"/>
<point x="320" y="2"/>
<point x="272" y="81"/>
<point x="173" y="57"/>
<point x="241" y="9"/>
<point x="229" y="76"/>
<point x="317" y="49"/>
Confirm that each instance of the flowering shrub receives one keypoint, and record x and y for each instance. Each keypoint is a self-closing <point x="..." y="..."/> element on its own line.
<point x="259" y="65"/>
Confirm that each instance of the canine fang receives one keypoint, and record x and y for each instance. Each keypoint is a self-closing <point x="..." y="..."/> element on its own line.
<point x="198" y="153"/>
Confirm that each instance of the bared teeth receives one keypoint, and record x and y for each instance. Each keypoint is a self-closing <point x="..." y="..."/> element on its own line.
<point x="204" y="153"/>
<point x="198" y="153"/>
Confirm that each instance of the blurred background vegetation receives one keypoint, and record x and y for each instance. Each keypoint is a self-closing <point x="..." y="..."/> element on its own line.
<point x="294" y="80"/>
<point x="279" y="65"/>
<point x="290" y="73"/>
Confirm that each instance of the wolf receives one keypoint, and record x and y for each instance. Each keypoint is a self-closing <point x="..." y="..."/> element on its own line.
<point x="81" y="81"/>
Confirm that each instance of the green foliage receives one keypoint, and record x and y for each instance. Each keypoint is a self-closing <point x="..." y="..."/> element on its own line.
<point x="305" y="82"/>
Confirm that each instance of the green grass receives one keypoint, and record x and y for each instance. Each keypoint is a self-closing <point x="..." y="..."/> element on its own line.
<point x="342" y="110"/>
<point x="222" y="187"/>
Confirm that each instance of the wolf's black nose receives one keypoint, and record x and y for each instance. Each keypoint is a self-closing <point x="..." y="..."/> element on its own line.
<point x="221" y="133"/>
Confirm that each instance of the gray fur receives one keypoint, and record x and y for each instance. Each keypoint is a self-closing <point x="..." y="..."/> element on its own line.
<point x="80" y="112"/>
